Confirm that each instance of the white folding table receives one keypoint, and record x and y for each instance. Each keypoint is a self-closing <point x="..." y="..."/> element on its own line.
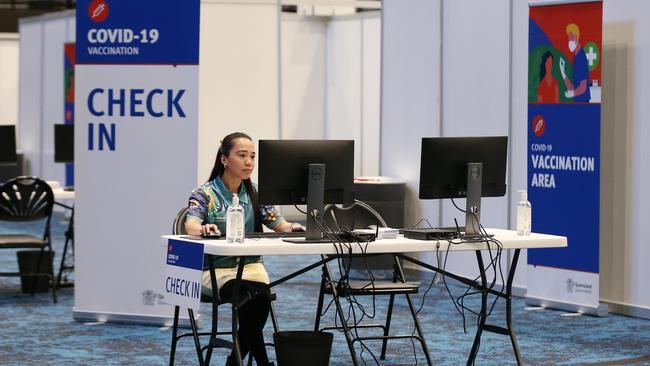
<point x="400" y="247"/>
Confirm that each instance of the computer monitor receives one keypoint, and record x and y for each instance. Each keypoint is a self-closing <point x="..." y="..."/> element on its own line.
<point x="63" y="143"/>
<point x="464" y="167"/>
<point x="8" y="144"/>
<point x="312" y="172"/>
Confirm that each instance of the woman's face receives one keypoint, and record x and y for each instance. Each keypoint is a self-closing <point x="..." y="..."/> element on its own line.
<point x="549" y="65"/>
<point x="241" y="161"/>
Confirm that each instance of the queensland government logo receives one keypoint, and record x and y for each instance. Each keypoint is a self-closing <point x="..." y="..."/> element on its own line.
<point x="98" y="10"/>
<point x="573" y="286"/>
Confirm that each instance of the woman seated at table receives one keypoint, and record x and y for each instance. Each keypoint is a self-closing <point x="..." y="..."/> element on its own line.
<point x="207" y="210"/>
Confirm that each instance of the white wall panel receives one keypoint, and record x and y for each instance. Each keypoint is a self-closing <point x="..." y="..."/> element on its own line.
<point x="9" y="78"/>
<point x="625" y="172"/>
<point x="370" y="92"/>
<point x="238" y="75"/>
<point x="475" y="94"/>
<point x="303" y="77"/>
<point x="40" y="96"/>
<point x="30" y="94"/>
<point x="55" y="35"/>
<point x="410" y="94"/>
<point x="343" y="83"/>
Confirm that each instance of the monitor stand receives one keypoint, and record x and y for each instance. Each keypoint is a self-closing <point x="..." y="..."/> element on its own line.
<point x="473" y="207"/>
<point x="315" y="204"/>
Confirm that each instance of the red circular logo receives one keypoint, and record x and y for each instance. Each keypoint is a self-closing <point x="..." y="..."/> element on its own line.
<point x="98" y="11"/>
<point x="539" y="125"/>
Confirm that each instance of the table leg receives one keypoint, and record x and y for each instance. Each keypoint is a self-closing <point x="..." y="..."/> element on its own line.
<point x="195" y="335"/>
<point x="482" y="314"/>
<point x="235" y="311"/>
<point x="511" y="275"/>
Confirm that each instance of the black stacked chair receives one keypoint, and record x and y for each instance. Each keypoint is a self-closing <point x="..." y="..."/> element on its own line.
<point x="214" y="340"/>
<point x="24" y="199"/>
<point x="357" y="216"/>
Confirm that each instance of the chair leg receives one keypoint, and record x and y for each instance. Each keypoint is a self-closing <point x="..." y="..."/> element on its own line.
<point x="339" y="310"/>
<point x="387" y="328"/>
<point x="65" y="252"/>
<point x="274" y="319"/>
<point x="172" y="353"/>
<point x="425" y="349"/>
<point x="321" y="298"/>
<point x="399" y="275"/>
<point x="53" y="279"/>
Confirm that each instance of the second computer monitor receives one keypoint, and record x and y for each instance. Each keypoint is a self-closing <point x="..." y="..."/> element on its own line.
<point x="63" y="143"/>
<point x="8" y="144"/>
<point x="291" y="171"/>
<point x="464" y="167"/>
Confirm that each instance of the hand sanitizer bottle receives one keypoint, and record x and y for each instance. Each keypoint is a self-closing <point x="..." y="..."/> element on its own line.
<point x="524" y="211"/>
<point x="235" y="222"/>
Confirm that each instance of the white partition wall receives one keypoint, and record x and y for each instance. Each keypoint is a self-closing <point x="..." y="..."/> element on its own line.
<point x="352" y="86"/>
<point x="239" y="74"/>
<point x="40" y="103"/>
<point x="410" y="94"/>
<point x="445" y="73"/>
<point x="475" y="86"/>
<point x="9" y="78"/>
<point x="303" y="72"/>
<point x="624" y="269"/>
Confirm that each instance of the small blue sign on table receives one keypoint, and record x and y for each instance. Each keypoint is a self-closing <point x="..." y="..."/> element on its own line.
<point x="182" y="282"/>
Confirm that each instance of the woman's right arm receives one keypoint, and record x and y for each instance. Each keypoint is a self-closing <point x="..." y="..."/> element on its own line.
<point x="194" y="227"/>
<point x="198" y="204"/>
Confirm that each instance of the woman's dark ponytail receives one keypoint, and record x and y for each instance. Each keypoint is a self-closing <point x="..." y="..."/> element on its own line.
<point x="256" y="206"/>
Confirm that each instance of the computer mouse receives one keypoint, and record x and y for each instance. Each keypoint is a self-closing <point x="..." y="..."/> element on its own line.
<point x="212" y="234"/>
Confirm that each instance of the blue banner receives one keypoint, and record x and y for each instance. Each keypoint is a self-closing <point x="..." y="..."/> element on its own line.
<point x="185" y="254"/>
<point x="563" y="124"/>
<point x="138" y="32"/>
<point x="564" y="182"/>
<point x="564" y="90"/>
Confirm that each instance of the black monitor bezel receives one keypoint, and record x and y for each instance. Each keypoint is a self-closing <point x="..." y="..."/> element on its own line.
<point x="283" y="164"/>
<point x="443" y="165"/>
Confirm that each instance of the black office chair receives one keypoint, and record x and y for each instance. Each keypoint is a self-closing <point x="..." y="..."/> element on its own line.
<point x="214" y="342"/>
<point x="28" y="199"/>
<point x="361" y="215"/>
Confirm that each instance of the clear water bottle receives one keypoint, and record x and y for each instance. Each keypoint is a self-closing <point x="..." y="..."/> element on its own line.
<point x="524" y="212"/>
<point x="235" y="222"/>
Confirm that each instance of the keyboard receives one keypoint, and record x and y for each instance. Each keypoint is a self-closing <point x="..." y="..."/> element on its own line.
<point x="275" y="235"/>
<point x="269" y="235"/>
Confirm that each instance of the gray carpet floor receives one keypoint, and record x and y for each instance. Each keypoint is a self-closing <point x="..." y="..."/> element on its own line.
<point x="35" y="331"/>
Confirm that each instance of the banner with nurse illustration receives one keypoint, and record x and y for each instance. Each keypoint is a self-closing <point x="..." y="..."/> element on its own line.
<point x="564" y="96"/>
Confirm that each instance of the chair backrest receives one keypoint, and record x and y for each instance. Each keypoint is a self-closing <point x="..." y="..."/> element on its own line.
<point x="357" y="216"/>
<point x="26" y="199"/>
<point x="179" y="222"/>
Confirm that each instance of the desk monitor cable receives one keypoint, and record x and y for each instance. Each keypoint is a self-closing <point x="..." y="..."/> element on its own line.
<point x="494" y="262"/>
<point x="343" y="247"/>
